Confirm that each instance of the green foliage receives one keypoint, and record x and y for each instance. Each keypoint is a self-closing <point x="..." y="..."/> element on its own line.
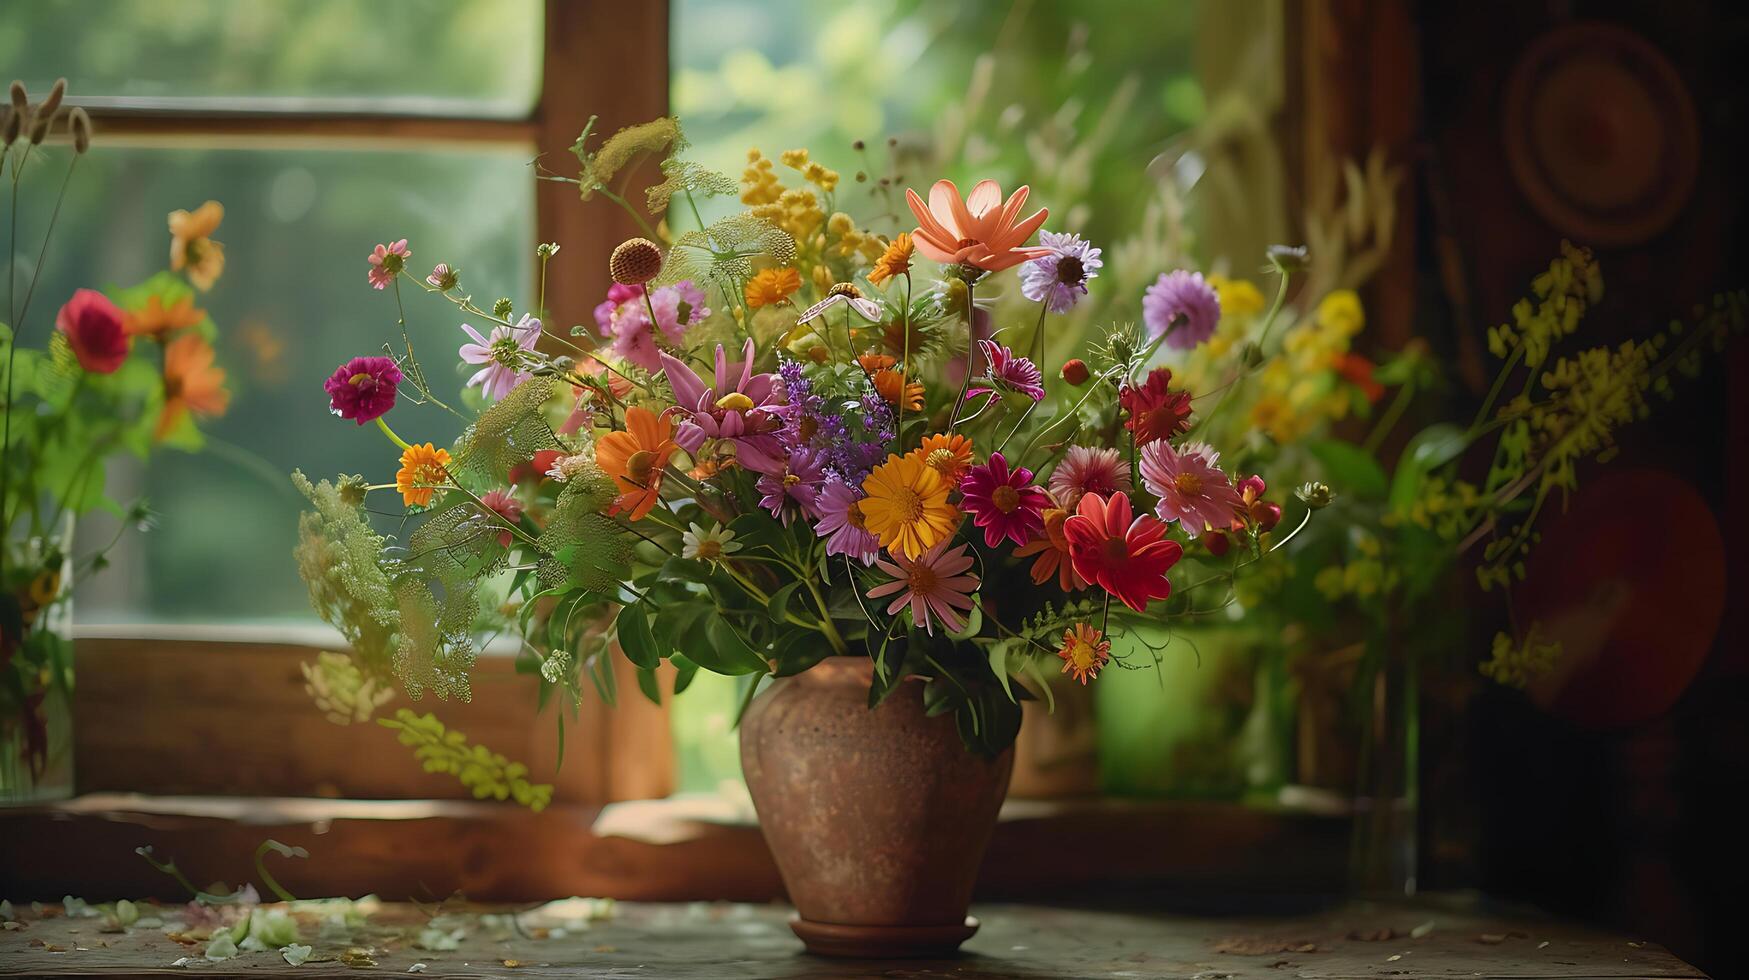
<point x="722" y="253"/>
<point x="687" y="178"/>
<point x="505" y="434"/>
<point x="486" y="773"/>
<point x="338" y="557"/>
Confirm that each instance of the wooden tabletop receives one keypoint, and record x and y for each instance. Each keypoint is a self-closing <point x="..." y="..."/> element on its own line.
<point x="585" y="938"/>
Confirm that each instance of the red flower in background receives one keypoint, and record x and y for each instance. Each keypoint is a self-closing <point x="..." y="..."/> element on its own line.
<point x="1357" y="371"/>
<point x="96" y="330"/>
<point x="1127" y="558"/>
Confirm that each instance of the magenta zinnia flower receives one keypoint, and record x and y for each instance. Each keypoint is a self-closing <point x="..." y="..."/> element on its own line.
<point x="840" y="507"/>
<point x="505" y="505"/>
<point x="1182" y="303"/>
<point x="386" y="263"/>
<point x="795" y="488"/>
<point x="1009" y="370"/>
<point x="1004" y="502"/>
<point x="1059" y="278"/>
<point x="739" y="411"/>
<point x="503" y="355"/>
<point x="363" y="388"/>
<point x="1192" y="489"/>
<point x="1089" y="469"/>
<point x="933" y="584"/>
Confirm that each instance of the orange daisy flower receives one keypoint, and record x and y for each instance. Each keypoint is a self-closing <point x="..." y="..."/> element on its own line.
<point x="192" y="247"/>
<point x="949" y="455"/>
<point x="1084" y="651"/>
<point x="635" y="458"/>
<point x="890" y="383"/>
<point x="981" y="230"/>
<point x="423" y="469"/>
<point x="191" y="383"/>
<point x="895" y="261"/>
<point x="1052" y="549"/>
<point x="872" y="362"/>
<point x="769" y="287"/>
<point x="159" y="321"/>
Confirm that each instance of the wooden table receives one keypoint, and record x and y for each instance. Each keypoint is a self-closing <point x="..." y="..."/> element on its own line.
<point x="724" y="941"/>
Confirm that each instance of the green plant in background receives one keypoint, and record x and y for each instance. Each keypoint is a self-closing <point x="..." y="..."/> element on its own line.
<point x="486" y="773"/>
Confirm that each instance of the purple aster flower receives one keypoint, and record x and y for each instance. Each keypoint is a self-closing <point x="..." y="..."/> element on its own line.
<point x="1059" y="278"/>
<point x="363" y="388"/>
<point x="795" y="488"/>
<point x="840" y="507"/>
<point x="1011" y="371"/>
<point x="1183" y="307"/>
<point x="739" y="411"/>
<point x="503" y="356"/>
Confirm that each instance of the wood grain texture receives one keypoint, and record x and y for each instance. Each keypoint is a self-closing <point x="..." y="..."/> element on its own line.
<point x="744" y="942"/>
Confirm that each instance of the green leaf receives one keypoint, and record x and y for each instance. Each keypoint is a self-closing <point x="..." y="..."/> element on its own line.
<point x="684" y="671"/>
<point x="732" y="655"/>
<point x="647" y="684"/>
<point x="999" y="667"/>
<point x="747" y="695"/>
<point x="779" y="604"/>
<point x="1350" y="469"/>
<point x="635" y="637"/>
<point x="601" y="674"/>
<point x="1430" y="449"/>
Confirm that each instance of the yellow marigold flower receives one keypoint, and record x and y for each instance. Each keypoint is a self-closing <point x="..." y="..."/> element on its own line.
<point x="906" y="506"/>
<point x="759" y="185"/>
<point x="794" y="159"/>
<point x="1083" y="652"/>
<point x="422" y="470"/>
<point x="1239" y="297"/>
<point x="824" y="177"/>
<point x="769" y="287"/>
<point x="1341" y="312"/>
<point x="949" y="455"/>
<point x="895" y="261"/>
<point x="891" y="382"/>
<point x="840" y="224"/>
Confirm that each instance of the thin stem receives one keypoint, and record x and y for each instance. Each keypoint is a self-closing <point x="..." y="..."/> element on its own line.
<point x="1388" y="421"/>
<point x="649" y="232"/>
<point x="397" y="440"/>
<point x="966" y="382"/>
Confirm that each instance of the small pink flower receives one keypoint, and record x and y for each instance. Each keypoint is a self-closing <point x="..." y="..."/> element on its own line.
<point x="934" y="584"/>
<point x="840" y="506"/>
<point x="443" y="277"/>
<point x="387" y="262"/>
<point x="1192" y="489"/>
<point x="1089" y="469"/>
<point x="503" y="356"/>
<point x="1011" y="371"/>
<point x="96" y="331"/>
<point x="505" y="505"/>
<point x="1004" y="502"/>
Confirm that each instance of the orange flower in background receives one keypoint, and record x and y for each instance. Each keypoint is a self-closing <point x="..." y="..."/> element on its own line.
<point x="873" y="362"/>
<point x="635" y="458"/>
<point x="890" y="383"/>
<point x="769" y="287"/>
<point x="1357" y="370"/>
<point x="191" y="383"/>
<point x="981" y="230"/>
<point x="422" y="470"/>
<point x="1083" y="652"/>
<point x="895" y="261"/>
<point x="191" y="245"/>
<point x="949" y="455"/>
<point x="159" y="321"/>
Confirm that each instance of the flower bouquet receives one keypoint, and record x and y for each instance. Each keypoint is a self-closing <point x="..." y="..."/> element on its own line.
<point x="120" y="371"/>
<point x="797" y="447"/>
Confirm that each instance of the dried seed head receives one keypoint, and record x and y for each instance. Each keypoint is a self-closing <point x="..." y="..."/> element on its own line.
<point x="20" y="98"/>
<point x="10" y="121"/>
<point x="635" y="262"/>
<point x="39" y="126"/>
<point x="52" y="103"/>
<point x="79" y="122"/>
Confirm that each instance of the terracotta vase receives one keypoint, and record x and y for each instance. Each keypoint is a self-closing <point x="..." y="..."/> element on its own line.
<point x="878" y="818"/>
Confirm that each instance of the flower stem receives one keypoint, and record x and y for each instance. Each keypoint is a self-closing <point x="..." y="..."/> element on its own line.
<point x="397" y="440"/>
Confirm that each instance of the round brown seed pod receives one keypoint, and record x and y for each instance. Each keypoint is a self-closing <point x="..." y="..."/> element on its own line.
<point x="79" y="121"/>
<point x="635" y="262"/>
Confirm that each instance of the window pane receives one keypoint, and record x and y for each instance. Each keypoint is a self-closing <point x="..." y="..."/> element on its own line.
<point x="468" y="57"/>
<point x="292" y="304"/>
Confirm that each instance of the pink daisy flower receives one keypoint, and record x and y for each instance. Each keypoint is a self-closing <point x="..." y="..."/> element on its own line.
<point x="840" y="523"/>
<point x="503" y="355"/>
<point x="795" y="488"/>
<point x="505" y="505"/>
<point x="934" y="584"/>
<point x="1004" y="502"/>
<point x="1009" y="371"/>
<point x="1192" y="489"/>
<point x="386" y="262"/>
<point x="1089" y="469"/>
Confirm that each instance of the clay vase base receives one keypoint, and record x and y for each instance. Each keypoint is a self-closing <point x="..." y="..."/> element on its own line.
<point x="882" y="942"/>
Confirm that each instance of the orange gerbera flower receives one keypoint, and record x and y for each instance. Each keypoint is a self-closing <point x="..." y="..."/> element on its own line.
<point x="422" y="471"/>
<point x="890" y="382"/>
<point x="949" y="455"/>
<point x="159" y="321"/>
<point x="192" y="247"/>
<point x="635" y="458"/>
<point x="769" y="287"/>
<point x="191" y="383"/>
<point x="1052" y="549"/>
<point x="895" y="261"/>
<point x="982" y="230"/>
<point x="1084" y="651"/>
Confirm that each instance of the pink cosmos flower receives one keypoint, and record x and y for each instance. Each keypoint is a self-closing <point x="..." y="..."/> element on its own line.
<point x="505" y="505"/>
<point x="794" y="489"/>
<point x="1010" y="371"/>
<point x="1184" y="304"/>
<point x="363" y="388"/>
<point x="736" y="412"/>
<point x="840" y="523"/>
<point x="1004" y="502"/>
<point x="1089" y="469"/>
<point x="503" y="354"/>
<point x="386" y="263"/>
<point x="1192" y="489"/>
<point x="96" y="331"/>
<point x="934" y="584"/>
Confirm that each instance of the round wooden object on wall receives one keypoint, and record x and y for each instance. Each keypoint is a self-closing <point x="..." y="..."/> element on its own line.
<point x="1601" y="134"/>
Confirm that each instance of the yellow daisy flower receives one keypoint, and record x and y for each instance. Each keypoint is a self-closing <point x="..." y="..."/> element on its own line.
<point x="895" y="261"/>
<point x="906" y="506"/>
<point x="422" y="469"/>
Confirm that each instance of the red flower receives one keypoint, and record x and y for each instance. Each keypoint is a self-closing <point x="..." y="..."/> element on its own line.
<point x="536" y="469"/>
<point x="1357" y="371"/>
<point x="1155" y="410"/>
<point x="1128" y="559"/>
<point x="1254" y="510"/>
<point x="96" y="331"/>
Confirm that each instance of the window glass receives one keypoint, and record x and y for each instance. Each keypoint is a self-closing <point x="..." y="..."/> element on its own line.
<point x="292" y="304"/>
<point x="474" y="57"/>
